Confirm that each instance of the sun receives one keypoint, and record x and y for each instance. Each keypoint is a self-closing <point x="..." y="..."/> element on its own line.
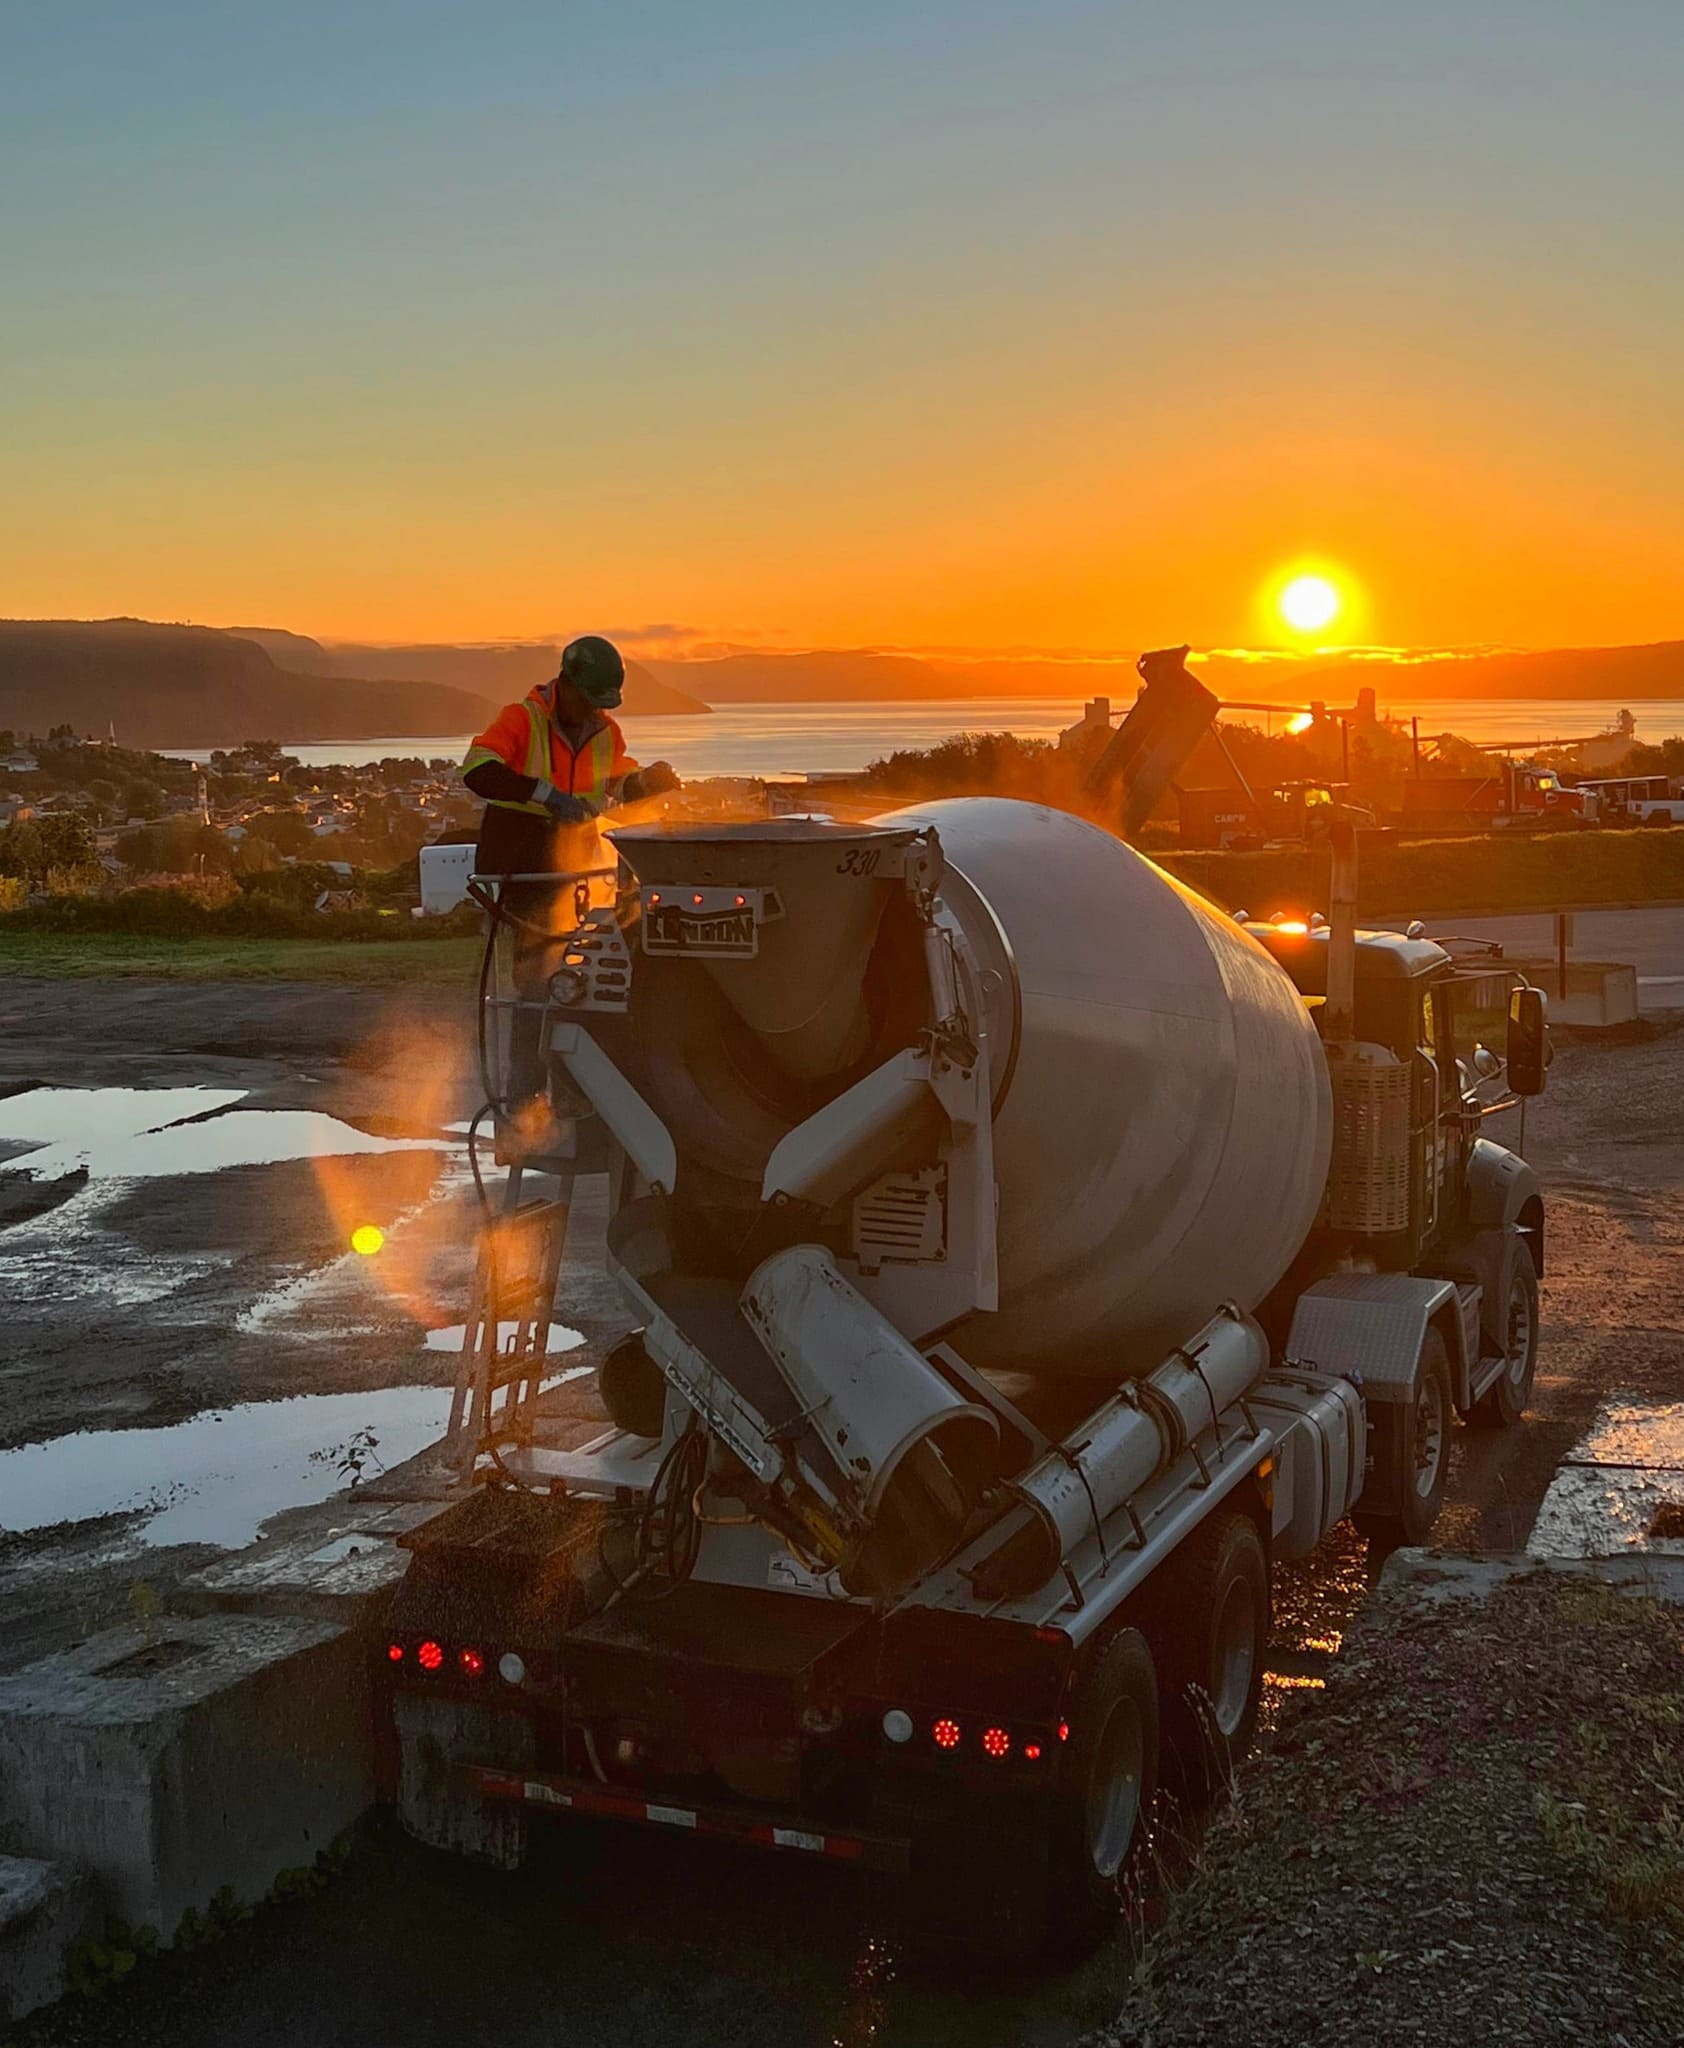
<point x="1308" y="603"/>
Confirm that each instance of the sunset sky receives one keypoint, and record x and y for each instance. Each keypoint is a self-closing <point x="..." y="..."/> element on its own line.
<point x="891" y="322"/>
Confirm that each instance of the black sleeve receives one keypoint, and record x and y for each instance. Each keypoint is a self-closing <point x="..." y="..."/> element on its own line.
<point x="496" y="781"/>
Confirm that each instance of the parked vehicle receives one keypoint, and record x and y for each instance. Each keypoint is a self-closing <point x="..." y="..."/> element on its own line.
<point x="1515" y="795"/>
<point x="1637" y="799"/>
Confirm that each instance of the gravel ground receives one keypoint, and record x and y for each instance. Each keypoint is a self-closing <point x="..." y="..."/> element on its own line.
<point x="1475" y="1836"/>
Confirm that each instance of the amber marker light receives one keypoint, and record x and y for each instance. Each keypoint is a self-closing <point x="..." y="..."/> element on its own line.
<point x="367" y="1238"/>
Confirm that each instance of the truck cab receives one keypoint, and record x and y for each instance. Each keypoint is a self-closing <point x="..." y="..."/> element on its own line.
<point x="1414" y="1187"/>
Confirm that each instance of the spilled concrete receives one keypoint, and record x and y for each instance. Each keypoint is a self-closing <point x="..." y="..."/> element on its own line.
<point x="1620" y="1489"/>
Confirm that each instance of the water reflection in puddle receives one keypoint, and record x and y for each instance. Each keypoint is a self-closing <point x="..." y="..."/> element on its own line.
<point x="219" y="1477"/>
<point x="138" y="1133"/>
<point x="452" y="1339"/>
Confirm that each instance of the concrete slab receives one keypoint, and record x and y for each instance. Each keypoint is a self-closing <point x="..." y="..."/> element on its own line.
<point x="1435" y="1576"/>
<point x="1621" y="1487"/>
<point x="1599" y="993"/>
<point x="342" y="1575"/>
<point x="1604" y="1510"/>
<point x="175" y="1759"/>
<point x="45" y="1910"/>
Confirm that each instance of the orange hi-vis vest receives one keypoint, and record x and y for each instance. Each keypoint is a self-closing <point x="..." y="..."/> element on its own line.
<point x="524" y="737"/>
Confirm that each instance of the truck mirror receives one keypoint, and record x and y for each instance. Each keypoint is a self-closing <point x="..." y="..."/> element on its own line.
<point x="1528" y="1046"/>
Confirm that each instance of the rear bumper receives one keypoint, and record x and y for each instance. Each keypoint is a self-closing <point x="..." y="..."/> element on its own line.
<point x="555" y="1794"/>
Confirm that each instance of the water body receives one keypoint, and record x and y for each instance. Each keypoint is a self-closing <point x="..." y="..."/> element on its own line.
<point x="219" y="1477"/>
<point x="775" y="739"/>
<point x="141" y="1133"/>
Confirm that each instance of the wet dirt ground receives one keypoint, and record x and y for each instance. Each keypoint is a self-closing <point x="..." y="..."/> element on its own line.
<point x="152" y="1277"/>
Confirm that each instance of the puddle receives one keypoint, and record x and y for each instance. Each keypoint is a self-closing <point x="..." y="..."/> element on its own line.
<point x="452" y="1339"/>
<point x="219" y="1477"/>
<point x="1620" y="1489"/>
<point x="138" y="1133"/>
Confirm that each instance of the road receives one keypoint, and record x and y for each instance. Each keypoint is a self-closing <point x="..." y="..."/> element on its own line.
<point x="1650" y="940"/>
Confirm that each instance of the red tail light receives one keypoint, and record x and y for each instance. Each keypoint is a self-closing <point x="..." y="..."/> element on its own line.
<point x="394" y="1652"/>
<point x="472" y="1663"/>
<point x="1032" y="1750"/>
<point x="430" y="1656"/>
<point x="1064" y="1731"/>
<point x="945" y="1734"/>
<point x="996" y="1741"/>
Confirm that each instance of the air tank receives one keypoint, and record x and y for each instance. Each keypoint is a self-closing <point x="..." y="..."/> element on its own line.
<point x="1161" y="1145"/>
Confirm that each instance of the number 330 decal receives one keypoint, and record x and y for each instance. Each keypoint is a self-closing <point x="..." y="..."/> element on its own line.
<point x="858" y="860"/>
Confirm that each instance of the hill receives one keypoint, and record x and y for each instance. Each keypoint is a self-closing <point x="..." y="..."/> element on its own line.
<point x="1619" y="674"/>
<point x="496" y="669"/>
<point x="828" y="675"/>
<point x="194" y="686"/>
<point x="202" y="686"/>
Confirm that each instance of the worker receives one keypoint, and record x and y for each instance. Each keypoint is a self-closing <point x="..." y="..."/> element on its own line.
<point x="548" y="768"/>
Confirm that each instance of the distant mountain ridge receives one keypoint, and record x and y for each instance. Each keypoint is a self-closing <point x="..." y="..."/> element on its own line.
<point x="165" y="686"/>
<point x="830" y="675"/>
<point x="500" y="669"/>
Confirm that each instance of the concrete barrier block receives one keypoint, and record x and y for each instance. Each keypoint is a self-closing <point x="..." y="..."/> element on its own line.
<point x="1599" y="993"/>
<point x="44" y="1911"/>
<point x="347" y="1576"/>
<point x="173" y="1760"/>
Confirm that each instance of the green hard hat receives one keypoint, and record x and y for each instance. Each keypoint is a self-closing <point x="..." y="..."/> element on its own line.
<point x="593" y="667"/>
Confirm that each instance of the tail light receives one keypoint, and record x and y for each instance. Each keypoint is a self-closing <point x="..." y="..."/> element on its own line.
<point x="945" y="1734"/>
<point x="394" y="1653"/>
<point x="472" y="1663"/>
<point x="430" y="1656"/>
<point x="996" y="1742"/>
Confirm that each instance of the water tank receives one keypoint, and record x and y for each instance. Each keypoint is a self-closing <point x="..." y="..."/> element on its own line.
<point x="1162" y="1144"/>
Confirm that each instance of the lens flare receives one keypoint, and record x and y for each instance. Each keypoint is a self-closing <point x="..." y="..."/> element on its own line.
<point x="368" y="1238"/>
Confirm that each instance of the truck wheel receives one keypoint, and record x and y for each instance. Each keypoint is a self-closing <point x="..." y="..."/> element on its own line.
<point x="1108" y="1782"/>
<point x="1411" y="1453"/>
<point x="1504" y="1402"/>
<point x="1215" y="1627"/>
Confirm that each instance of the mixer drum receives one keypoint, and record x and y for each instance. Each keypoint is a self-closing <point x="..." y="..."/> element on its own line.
<point x="1162" y="1146"/>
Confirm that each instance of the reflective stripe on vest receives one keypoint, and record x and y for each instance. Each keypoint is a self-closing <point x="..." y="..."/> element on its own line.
<point x="591" y="767"/>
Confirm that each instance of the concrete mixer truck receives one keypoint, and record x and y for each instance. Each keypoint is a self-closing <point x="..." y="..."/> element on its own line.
<point x="1021" y="1256"/>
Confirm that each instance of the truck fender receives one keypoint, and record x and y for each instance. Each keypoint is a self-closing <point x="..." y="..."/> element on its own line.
<point x="1505" y="1210"/>
<point x="1371" y="1326"/>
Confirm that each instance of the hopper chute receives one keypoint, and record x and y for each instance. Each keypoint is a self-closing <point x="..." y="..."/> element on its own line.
<point x="815" y="891"/>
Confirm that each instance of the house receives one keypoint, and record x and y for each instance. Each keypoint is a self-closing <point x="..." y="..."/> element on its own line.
<point x="20" y="761"/>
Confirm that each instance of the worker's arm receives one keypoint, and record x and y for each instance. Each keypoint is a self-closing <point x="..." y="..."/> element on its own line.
<point x="497" y="782"/>
<point x="655" y="780"/>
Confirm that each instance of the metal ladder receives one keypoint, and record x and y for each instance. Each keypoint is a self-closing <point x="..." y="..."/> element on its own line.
<point x="520" y="1250"/>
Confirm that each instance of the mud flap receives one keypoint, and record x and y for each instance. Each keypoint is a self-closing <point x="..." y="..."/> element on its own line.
<point x="435" y="1803"/>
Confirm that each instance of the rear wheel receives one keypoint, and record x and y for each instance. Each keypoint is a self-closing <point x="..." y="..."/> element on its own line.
<point x="1504" y="1402"/>
<point x="1109" y="1779"/>
<point x="1411" y="1453"/>
<point x="1213" y="1628"/>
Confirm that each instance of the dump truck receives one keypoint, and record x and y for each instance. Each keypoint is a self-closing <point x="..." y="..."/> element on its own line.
<point x="1021" y="1256"/>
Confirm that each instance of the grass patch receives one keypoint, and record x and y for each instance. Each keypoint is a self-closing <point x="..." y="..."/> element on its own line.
<point x="434" y="963"/>
<point x="1441" y="877"/>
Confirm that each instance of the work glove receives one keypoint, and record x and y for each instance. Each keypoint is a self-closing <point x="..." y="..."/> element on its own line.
<point x="565" y="809"/>
<point x="655" y="780"/>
